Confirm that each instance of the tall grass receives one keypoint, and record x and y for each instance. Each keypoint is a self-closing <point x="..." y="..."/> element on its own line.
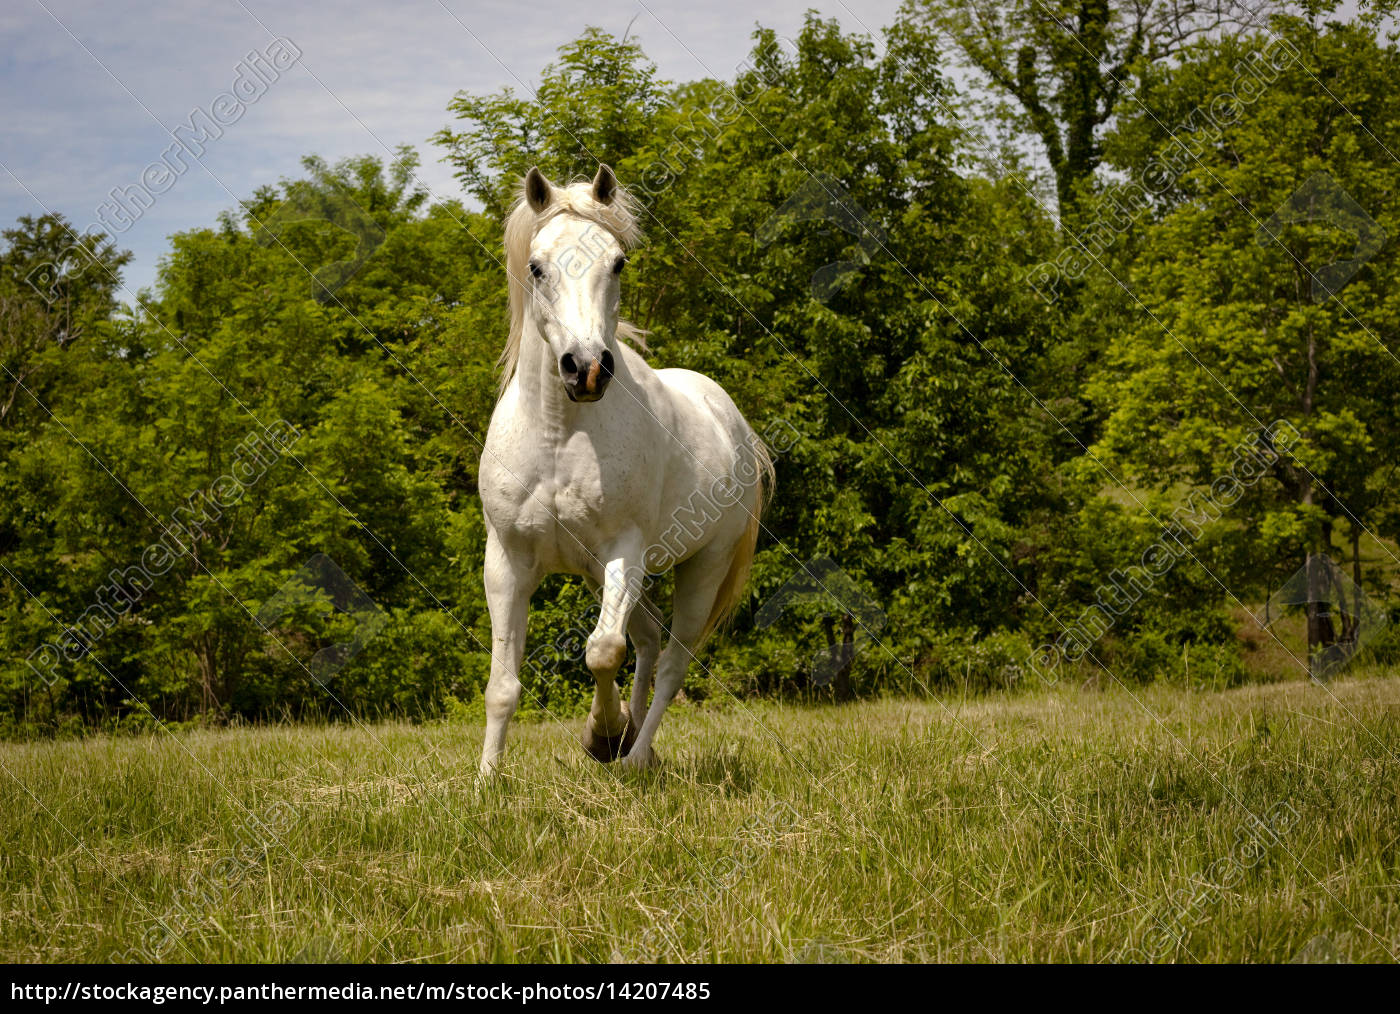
<point x="1056" y="826"/>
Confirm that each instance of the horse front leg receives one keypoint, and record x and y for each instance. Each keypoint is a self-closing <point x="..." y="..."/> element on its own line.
<point x="509" y="583"/>
<point x="608" y="731"/>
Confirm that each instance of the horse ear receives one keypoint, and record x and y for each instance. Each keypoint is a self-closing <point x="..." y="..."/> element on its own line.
<point x="537" y="189"/>
<point x="604" y="184"/>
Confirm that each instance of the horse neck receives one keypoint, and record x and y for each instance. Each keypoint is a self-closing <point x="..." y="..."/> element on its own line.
<point x="543" y="404"/>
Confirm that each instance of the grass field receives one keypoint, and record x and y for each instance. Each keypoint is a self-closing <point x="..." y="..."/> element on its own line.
<point x="1257" y="824"/>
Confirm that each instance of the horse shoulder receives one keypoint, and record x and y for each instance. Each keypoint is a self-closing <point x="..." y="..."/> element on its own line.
<point x="509" y="471"/>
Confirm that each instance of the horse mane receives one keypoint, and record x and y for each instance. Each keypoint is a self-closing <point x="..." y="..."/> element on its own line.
<point x="618" y="216"/>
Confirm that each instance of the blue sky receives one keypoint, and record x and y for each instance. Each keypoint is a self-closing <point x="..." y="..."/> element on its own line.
<point x="91" y="90"/>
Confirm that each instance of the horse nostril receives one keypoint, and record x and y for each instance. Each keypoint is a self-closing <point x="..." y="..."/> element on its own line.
<point x="607" y="363"/>
<point x="568" y="365"/>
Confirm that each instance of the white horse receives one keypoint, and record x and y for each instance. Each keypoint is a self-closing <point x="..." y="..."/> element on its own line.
<point x="664" y="473"/>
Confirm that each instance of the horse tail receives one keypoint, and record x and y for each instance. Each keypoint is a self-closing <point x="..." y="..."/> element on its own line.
<point x="767" y="474"/>
<point x="731" y="589"/>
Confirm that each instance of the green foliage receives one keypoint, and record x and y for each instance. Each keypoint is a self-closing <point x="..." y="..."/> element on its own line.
<point x="1067" y="64"/>
<point x="1237" y="331"/>
<point x="826" y="239"/>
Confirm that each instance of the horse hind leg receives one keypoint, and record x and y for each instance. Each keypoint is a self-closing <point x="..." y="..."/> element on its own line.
<point x="644" y="628"/>
<point x="699" y="582"/>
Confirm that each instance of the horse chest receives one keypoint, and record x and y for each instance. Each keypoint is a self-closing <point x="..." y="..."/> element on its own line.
<point x="574" y="505"/>
<point x="567" y="510"/>
<point x="565" y="499"/>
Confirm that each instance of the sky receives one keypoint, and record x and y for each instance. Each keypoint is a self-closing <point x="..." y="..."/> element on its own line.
<point x="92" y="90"/>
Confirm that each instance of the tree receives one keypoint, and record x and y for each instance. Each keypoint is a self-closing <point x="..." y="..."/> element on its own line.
<point x="597" y="103"/>
<point x="1270" y="297"/>
<point x="254" y="414"/>
<point x="811" y="245"/>
<point x="55" y="287"/>
<point x="1066" y="63"/>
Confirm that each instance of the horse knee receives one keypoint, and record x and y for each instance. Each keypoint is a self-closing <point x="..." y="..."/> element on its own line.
<point x="606" y="653"/>
<point x="501" y="700"/>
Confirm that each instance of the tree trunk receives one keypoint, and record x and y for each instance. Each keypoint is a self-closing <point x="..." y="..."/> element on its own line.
<point x="1349" y="638"/>
<point x="842" y="655"/>
<point x="1322" y="631"/>
<point x="841" y="685"/>
<point x="1319" y="618"/>
<point x="207" y="666"/>
<point x="1356" y="584"/>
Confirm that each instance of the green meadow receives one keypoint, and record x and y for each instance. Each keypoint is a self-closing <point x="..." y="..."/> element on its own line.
<point x="1151" y="823"/>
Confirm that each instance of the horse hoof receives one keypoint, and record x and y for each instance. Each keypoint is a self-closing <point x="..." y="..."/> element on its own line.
<point x="609" y="748"/>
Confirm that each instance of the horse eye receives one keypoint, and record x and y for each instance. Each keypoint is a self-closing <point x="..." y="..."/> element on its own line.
<point x="619" y="265"/>
<point x="536" y="270"/>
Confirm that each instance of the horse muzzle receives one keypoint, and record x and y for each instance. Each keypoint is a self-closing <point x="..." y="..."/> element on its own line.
<point x="585" y="378"/>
